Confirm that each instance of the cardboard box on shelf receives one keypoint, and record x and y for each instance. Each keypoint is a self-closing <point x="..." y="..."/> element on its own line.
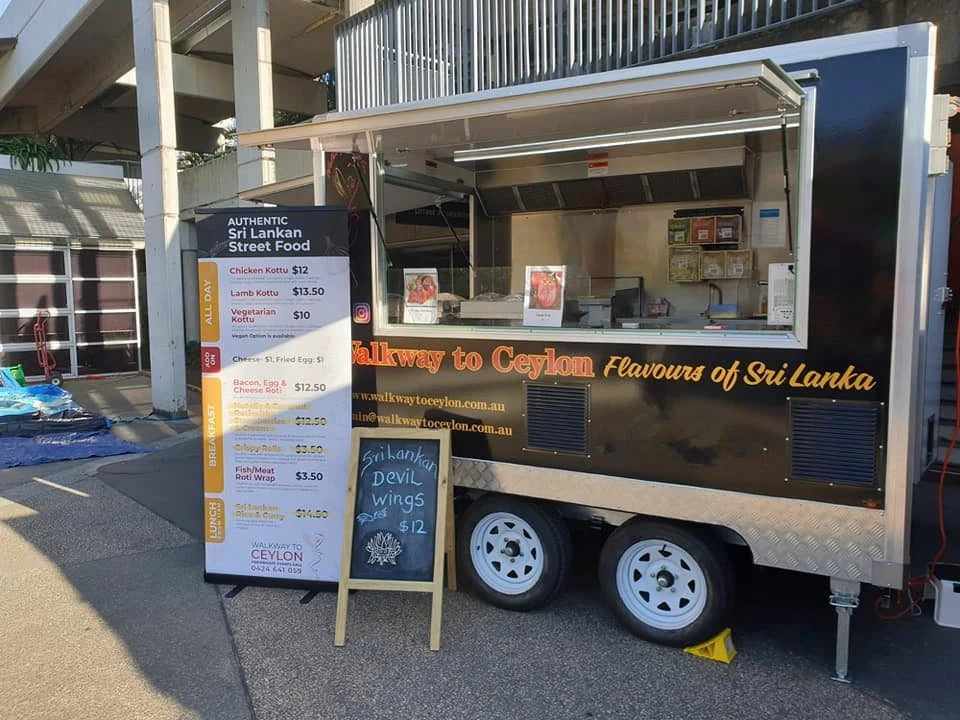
<point x="703" y="230"/>
<point x="684" y="264"/>
<point x="678" y="231"/>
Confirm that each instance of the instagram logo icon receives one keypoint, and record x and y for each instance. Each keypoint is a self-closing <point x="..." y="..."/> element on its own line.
<point x="361" y="313"/>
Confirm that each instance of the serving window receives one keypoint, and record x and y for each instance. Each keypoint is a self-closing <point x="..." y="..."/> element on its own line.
<point x="699" y="240"/>
<point x="655" y="204"/>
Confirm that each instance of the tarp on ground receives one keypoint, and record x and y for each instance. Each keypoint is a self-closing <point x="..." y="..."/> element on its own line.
<point x="38" y="424"/>
<point x="19" y="451"/>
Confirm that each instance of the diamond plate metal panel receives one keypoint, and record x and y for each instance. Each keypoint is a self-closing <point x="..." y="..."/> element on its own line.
<point x="833" y="540"/>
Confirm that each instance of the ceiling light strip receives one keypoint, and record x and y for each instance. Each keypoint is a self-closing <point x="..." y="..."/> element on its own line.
<point x="635" y="137"/>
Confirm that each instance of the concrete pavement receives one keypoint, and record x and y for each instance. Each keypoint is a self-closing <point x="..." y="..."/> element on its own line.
<point x="105" y="615"/>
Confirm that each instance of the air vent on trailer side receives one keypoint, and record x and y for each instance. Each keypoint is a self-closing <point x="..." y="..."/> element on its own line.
<point x="835" y="441"/>
<point x="558" y="417"/>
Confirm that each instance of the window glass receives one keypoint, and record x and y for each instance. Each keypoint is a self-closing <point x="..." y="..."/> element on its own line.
<point x="101" y="264"/>
<point x="20" y="330"/>
<point x="29" y="295"/>
<point x="31" y="262"/>
<point x="693" y="235"/>
<point x="103" y="295"/>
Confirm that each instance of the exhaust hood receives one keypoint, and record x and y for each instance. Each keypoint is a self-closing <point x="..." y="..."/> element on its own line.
<point x="688" y="176"/>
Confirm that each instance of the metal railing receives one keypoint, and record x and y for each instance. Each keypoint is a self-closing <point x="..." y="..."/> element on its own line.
<point x="408" y="50"/>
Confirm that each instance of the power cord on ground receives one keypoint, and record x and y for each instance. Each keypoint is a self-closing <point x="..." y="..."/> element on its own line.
<point x="145" y="418"/>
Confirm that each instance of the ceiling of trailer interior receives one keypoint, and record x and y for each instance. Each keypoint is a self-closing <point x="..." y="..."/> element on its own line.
<point x="614" y="115"/>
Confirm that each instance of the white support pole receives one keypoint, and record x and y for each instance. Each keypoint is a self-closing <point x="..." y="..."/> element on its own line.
<point x="319" y="174"/>
<point x="161" y="201"/>
<point x="253" y="88"/>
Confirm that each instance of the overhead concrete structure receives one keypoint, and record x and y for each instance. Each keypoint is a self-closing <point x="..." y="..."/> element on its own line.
<point x="67" y="68"/>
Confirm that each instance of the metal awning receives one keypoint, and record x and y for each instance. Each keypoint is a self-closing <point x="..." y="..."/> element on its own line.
<point x="50" y="205"/>
<point x="296" y="191"/>
<point x="645" y="98"/>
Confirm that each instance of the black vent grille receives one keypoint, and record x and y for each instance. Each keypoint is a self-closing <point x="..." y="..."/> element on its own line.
<point x="540" y="196"/>
<point x="835" y="441"/>
<point x="721" y="183"/>
<point x="499" y="200"/>
<point x="625" y="190"/>
<point x="671" y="186"/>
<point x="557" y="418"/>
<point x="579" y="194"/>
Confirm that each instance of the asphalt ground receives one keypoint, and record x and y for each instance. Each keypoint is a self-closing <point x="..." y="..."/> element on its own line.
<point x="105" y="615"/>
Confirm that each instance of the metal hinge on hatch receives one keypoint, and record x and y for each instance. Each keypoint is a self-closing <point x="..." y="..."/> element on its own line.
<point x="944" y="108"/>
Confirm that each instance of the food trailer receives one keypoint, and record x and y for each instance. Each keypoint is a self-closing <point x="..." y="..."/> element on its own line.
<point x="699" y="301"/>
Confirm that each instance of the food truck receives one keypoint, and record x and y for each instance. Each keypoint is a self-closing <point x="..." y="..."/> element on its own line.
<point x="698" y="301"/>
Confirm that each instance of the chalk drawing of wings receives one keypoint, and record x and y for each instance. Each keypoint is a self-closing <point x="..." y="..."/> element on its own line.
<point x="364" y="518"/>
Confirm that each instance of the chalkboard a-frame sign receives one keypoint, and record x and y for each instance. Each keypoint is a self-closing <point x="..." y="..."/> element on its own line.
<point x="396" y="527"/>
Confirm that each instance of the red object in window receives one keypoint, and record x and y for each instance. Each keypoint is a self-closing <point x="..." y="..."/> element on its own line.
<point x="44" y="357"/>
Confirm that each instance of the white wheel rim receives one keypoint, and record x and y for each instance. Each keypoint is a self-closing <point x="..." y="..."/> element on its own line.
<point x="506" y="553"/>
<point x="661" y="584"/>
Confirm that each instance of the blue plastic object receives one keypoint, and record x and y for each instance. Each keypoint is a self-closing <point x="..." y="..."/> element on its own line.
<point x="23" y="451"/>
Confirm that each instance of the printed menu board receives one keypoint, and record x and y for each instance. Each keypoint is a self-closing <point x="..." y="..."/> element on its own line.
<point x="275" y="356"/>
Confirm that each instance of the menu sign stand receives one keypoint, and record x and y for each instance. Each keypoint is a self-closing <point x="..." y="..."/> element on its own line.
<point x="399" y="510"/>
<point x="275" y="357"/>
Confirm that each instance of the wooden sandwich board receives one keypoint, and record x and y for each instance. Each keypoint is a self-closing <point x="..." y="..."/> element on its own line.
<point x="399" y="518"/>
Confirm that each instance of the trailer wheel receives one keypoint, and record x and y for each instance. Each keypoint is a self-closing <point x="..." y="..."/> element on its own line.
<point x="666" y="582"/>
<point x="516" y="554"/>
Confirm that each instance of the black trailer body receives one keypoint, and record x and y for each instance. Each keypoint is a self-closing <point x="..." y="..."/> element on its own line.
<point x="793" y="420"/>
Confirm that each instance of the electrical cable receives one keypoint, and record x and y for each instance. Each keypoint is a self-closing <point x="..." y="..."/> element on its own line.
<point x="373" y="212"/>
<point x="144" y="418"/>
<point x="456" y="237"/>
<point x="786" y="180"/>
<point x="920" y="581"/>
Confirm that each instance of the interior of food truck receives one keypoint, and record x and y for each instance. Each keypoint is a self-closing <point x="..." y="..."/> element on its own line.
<point x="644" y="208"/>
<point x="672" y="236"/>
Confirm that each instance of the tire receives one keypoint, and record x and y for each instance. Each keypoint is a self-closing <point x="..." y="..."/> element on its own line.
<point x="667" y="583"/>
<point x="515" y="553"/>
<point x="56" y="379"/>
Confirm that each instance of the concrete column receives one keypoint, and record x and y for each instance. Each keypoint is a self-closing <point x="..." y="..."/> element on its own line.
<point x="253" y="87"/>
<point x="191" y="282"/>
<point x="161" y="200"/>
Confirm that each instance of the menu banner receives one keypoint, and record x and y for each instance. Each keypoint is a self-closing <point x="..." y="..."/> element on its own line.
<point x="275" y="355"/>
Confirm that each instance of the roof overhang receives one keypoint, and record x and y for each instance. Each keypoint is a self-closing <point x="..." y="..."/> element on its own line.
<point x="641" y="98"/>
<point x="296" y="191"/>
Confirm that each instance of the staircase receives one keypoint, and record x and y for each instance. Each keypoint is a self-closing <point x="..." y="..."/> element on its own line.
<point x="948" y="394"/>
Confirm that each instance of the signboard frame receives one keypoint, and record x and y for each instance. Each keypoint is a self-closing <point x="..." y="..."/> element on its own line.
<point x="443" y="531"/>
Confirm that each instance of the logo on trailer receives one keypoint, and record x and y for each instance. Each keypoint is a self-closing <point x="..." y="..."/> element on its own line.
<point x="361" y="313"/>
